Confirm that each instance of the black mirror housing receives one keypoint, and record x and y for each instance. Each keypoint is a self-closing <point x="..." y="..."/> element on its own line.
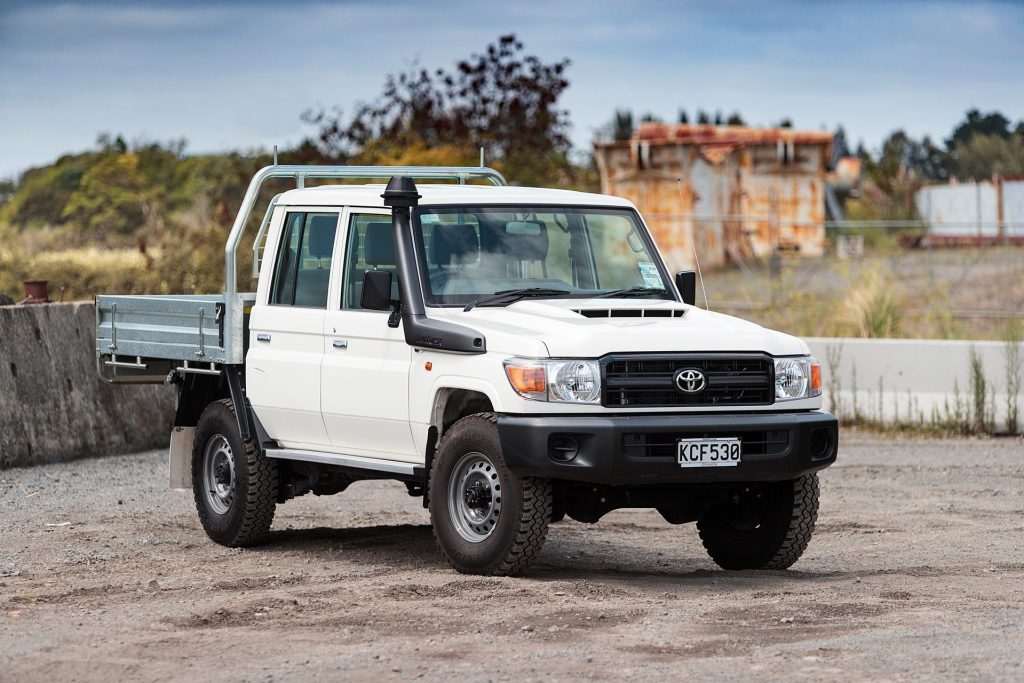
<point x="376" y="294"/>
<point x="686" y="283"/>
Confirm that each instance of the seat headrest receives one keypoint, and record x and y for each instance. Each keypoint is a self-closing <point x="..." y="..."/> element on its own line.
<point x="321" y="235"/>
<point x="526" y="240"/>
<point x="453" y="244"/>
<point x="379" y="244"/>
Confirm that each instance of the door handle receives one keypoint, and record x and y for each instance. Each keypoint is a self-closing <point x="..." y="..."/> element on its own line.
<point x="340" y="343"/>
<point x="263" y="337"/>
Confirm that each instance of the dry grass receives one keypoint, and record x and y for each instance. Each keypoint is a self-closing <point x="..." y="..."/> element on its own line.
<point x="946" y="294"/>
<point x="872" y="306"/>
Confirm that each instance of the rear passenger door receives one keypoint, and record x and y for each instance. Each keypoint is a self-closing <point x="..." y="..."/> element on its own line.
<point x="286" y="330"/>
<point x="365" y="386"/>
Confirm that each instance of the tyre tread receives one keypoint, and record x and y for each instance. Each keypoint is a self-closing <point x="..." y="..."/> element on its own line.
<point x="261" y="494"/>
<point x="802" y="519"/>
<point x="532" y="529"/>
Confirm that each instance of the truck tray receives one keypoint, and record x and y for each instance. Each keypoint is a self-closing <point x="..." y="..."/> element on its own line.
<point x="142" y="338"/>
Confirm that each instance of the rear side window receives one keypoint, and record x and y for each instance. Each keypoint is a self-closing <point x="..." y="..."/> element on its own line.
<point x="302" y="271"/>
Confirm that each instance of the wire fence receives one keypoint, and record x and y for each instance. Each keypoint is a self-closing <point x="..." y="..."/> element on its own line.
<point x="976" y="267"/>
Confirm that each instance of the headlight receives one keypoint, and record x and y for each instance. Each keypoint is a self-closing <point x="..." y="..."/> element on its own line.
<point x="797" y="377"/>
<point x="561" y="381"/>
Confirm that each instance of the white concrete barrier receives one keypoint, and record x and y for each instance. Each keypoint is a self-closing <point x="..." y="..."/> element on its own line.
<point x="909" y="380"/>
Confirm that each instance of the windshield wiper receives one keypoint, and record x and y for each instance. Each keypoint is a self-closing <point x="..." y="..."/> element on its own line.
<point x="512" y="295"/>
<point x="632" y="291"/>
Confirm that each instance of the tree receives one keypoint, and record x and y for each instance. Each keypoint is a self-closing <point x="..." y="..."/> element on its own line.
<point x="622" y="125"/>
<point x="985" y="155"/>
<point x="735" y="120"/>
<point x="976" y="123"/>
<point x="983" y="145"/>
<point x="903" y="155"/>
<point x="862" y="153"/>
<point x="839" y="144"/>
<point x="111" y="145"/>
<point x="702" y="117"/>
<point x="683" y="118"/>
<point x="7" y="188"/>
<point x="501" y="100"/>
<point x="41" y="193"/>
<point x="113" y="198"/>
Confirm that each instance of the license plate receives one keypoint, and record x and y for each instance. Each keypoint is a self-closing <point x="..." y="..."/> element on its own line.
<point x="709" y="452"/>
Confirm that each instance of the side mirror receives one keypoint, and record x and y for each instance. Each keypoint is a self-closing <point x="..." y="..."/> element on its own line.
<point x="376" y="295"/>
<point x="686" y="283"/>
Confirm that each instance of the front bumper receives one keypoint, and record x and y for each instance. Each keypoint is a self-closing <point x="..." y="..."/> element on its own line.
<point x="640" y="449"/>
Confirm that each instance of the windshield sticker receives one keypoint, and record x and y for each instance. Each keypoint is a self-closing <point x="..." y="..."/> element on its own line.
<point x="649" y="272"/>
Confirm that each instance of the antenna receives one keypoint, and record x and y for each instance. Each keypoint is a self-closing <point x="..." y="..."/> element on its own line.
<point x="693" y="245"/>
<point x="275" y="155"/>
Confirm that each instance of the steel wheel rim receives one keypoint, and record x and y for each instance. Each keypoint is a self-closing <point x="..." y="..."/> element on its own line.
<point x="474" y="497"/>
<point x="219" y="474"/>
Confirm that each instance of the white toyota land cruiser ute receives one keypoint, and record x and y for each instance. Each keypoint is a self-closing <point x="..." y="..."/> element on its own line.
<point x="513" y="355"/>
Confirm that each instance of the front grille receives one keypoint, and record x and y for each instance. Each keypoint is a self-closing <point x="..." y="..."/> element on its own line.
<point x="646" y="380"/>
<point x="665" y="445"/>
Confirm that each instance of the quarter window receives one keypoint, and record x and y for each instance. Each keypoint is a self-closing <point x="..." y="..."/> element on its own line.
<point x="303" y="269"/>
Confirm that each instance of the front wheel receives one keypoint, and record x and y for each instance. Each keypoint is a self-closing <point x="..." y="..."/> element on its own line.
<point x="763" y="525"/>
<point x="486" y="519"/>
<point x="234" y="483"/>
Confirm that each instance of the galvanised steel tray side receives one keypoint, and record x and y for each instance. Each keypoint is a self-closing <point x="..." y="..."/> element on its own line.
<point x="169" y="327"/>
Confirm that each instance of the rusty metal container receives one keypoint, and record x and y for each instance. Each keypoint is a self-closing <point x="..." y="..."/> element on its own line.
<point x="36" y="292"/>
<point x="730" y="191"/>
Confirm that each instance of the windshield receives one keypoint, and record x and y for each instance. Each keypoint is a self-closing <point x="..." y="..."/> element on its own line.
<point x="476" y="252"/>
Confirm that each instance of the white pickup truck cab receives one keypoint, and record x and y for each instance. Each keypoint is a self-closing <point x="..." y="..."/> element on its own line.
<point x="514" y="355"/>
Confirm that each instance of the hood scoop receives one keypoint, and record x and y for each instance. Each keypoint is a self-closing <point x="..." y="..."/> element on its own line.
<point x="630" y="312"/>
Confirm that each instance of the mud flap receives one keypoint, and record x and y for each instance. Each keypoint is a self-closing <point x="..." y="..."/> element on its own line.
<point x="179" y="462"/>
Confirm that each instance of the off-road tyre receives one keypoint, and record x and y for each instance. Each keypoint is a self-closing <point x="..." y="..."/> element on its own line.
<point x="771" y="536"/>
<point x="250" y="512"/>
<point x="525" y="504"/>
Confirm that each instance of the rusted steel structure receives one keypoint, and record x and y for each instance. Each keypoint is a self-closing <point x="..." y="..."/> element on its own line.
<point x="733" y="192"/>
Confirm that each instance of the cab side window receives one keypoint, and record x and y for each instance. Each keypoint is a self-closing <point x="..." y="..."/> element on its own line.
<point x="370" y="246"/>
<point x="303" y="268"/>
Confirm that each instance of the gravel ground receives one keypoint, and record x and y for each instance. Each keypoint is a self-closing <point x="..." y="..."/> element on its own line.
<point x="916" y="571"/>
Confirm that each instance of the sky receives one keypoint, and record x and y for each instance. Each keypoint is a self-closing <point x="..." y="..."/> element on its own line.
<point x="226" y="74"/>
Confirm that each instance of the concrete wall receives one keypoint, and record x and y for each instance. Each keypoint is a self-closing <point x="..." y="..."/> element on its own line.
<point x="53" y="405"/>
<point x="906" y="379"/>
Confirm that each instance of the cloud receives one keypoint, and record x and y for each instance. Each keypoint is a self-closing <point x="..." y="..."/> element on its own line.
<point x="230" y="74"/>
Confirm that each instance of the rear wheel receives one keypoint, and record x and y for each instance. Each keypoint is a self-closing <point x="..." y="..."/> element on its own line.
<point x="234" y="484"/>
<point x="762" y="526"/>
<point x="486" y="519"/>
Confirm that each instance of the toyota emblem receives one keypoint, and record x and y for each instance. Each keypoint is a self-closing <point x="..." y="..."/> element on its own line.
<point x="690" y="380"/>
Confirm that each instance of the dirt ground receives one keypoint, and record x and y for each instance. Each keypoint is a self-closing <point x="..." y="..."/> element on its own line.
<point x="916" y="571"/>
